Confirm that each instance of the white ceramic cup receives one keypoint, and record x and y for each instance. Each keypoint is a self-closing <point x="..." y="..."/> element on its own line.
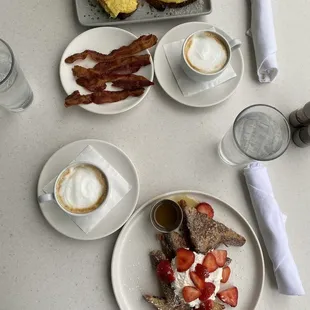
<point x="53" y="197"/>
<point x="204" y="77"/>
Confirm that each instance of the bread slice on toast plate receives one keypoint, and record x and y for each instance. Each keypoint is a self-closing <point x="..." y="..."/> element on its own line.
<point x="133" y="275"/>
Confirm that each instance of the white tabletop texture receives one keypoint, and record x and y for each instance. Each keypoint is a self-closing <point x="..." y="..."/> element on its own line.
<point x="172" y="146"/>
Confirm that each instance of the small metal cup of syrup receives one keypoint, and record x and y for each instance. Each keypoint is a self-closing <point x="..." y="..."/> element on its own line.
<point x="166" y="215"/>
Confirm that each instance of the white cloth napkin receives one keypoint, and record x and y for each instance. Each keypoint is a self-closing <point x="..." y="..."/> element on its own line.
<point x="264" y="39"/>
<point x="271" y="223"/>
<point x="119" y="187"/>
<point x="187" y="86"/>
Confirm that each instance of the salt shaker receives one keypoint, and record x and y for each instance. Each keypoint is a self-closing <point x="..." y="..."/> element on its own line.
<point x="302" y="137"/>
<point x="301" y="117"/>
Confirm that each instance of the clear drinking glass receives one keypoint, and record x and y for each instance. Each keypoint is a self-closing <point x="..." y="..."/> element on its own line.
<point x="15" y="92"/>
<point x="260" y="132"/>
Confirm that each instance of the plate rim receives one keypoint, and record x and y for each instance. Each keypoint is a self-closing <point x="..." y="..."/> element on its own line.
<point x="178" y="192"/>
<point x="160" y="44"/>
<point x="128" y="22"/>
<point x="87" y="141"/>
<point x="107" y="28"/>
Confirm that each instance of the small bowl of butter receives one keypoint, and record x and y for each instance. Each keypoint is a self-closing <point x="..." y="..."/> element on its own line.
<point x="166" y="215"/>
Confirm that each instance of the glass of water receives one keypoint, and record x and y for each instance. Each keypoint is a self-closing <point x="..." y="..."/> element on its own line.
<point x="15" y="92"/>
<point x="260" y="132"/>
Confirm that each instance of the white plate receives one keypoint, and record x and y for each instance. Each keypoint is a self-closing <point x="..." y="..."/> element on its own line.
<point x="132" y="274"/>
<point x="117" y="217"/>
<point x="166" y="78"/>
<point x="102" y="40"/>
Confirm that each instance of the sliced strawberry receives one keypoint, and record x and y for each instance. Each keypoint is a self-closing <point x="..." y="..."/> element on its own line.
<point x="210" y="262"/>
<point x="225" y="274"/>
<point x="208" y="305"/>
<point x="202" y="271"/>
<point x="165" y="272"/>
<point x="220" y="256"/>
<point x="199" y="283"/>
<point x="229" y="296"/>
<point x="205" y="208"/>
<point x="207" y="292"/>
<point x="190" y="293"/>
<point x="184" y="259"/>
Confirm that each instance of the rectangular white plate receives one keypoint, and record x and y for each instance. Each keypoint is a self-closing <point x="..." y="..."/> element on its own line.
<point x="90" y="13"/>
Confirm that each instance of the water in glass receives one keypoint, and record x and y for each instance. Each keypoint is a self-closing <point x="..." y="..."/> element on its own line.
<point x="15" y="92"/>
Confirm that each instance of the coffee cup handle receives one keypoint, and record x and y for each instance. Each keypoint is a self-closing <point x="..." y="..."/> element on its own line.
<point x="46" y="197"/>
<point x="234" y="44"/>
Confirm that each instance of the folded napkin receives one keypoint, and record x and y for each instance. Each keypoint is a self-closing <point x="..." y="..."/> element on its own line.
<point x="271" y="223"/>
<point x="187" y="86"/>
<point x="262" y="32"/>
<point x="119" y="187"/>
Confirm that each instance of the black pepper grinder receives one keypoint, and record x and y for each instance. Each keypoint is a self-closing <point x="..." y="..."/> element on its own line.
<point x="301" y="117"/>
<point x="302" y="137"/>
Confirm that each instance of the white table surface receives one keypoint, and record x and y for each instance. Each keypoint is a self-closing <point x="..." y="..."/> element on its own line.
<point x="172" y="146"/>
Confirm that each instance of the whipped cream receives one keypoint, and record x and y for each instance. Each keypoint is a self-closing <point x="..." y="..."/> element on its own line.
<point x="81" y="187"/>
<point x="183" y="279"/>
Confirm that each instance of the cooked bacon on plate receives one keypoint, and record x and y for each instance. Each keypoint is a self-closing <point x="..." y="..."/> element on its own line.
<point x="101" y="97"/>
<point x="123" y="66"/>
<point x="93" y="84"/>
<point x="90" y="73"/>
<point x="142" y="43"/>
<point x="129" y="82"/>
<point x="132" y="84"/>
<point x="119" y="63"/>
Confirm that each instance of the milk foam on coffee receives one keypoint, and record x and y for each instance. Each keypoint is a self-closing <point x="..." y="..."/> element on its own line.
<point x="82" y="188"/>
<point x="206" y="53"/>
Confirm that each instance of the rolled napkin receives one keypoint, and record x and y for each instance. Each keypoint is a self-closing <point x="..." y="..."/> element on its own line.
<point x="119" y="188"/>
<point x="187" y="86"/>
<point x="264" y="39"/>
<point x="271" y="223"/>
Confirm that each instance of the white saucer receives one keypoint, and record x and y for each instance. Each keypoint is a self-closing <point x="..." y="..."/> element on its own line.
<point x="117" y="217"/>
<point x="167" y="81"/>
<point x="103" y="40"/>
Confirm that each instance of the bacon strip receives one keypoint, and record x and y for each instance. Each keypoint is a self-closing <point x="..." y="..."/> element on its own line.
<point x="80" y="72"/>
<point x="94" y="84"/>
<point x="76" y="98"/>
<point x="109" y="67"/>
<point x="129" y="82"/>
<point x="113" y="96"/>
<point x="142" y="43"/>
<point x="129" y="66"/>
<point x="132" y="85"/>
<point x="101" y="97"/>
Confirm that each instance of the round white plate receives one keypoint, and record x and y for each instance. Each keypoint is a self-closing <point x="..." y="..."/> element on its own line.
<point x="102" y="40"/>
<point x="117" y="216"/>
<point x="167" y="81"/>
<point x="133" y="276"/>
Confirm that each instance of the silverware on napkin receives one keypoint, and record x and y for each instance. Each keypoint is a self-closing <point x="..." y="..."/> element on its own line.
<point x="271" y="223"/>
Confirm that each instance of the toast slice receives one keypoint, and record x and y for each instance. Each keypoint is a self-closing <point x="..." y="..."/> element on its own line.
<point x="171" y="242"/>
<point x="119" y="8"/>
<point x="207" y="234"/>
<point x="161" y="304"/>
<point x="170" y="301"/>
<point x="161" y="5"/>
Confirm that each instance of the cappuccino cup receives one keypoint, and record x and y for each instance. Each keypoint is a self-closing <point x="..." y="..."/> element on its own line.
<point x="79" y="189"/>
<point x="206" y="54"/>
